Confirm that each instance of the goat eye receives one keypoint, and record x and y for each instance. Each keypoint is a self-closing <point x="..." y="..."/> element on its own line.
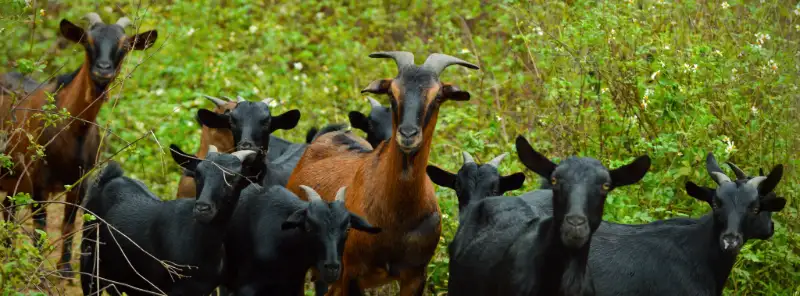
<point x="553" y="181"/>
<point x="606" y="187"/>
<point x="716" y="204"/>
<point x="755" y="210"/>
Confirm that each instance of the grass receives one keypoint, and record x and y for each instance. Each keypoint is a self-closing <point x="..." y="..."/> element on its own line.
<point x="609" y="79"/>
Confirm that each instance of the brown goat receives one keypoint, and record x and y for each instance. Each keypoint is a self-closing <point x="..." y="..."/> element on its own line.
<point x="387" y="185"/>
<point x="71" y="145"/>
<point x="219" y="137"/>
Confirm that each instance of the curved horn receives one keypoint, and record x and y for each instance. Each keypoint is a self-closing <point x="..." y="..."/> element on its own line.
<point x="311" y="194"/>
<point x="467" y="158"/>
<point x="340" y="195"/>
<point x="714" y="170"/>
<point x="496" y="161"/>
<point x="239" y="99"/>
<point x="217" y="101"/>
<point x="401" y="58"/>
<point x="93" y="19"/>
<point x="737" y="171"/>
<point x="373" y="102"/>
<point x="124" y="22"/>
<point x="242" y="154"/>
<point x="755" y="181"/>
<point x="437" y="62"/>
<point x="212" y="148"/>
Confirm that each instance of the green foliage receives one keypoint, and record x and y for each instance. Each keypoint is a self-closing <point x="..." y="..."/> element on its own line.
<point x="610" y="79"/>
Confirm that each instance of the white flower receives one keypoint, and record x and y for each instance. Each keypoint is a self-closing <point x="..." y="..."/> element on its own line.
<point x="227" y="82"/>
<point x="326" y="90"/>
<point x="260" y="73"/>
<point x="725" y="5"/>
<point x="754" y="110"/>
<point x="648" y="92"/>
<point x="655" y="74"/>
<point x="773" y="65"/>
<point x="320" y="15"/>
<point x="159" y="92"/>
<point x="718" y="52"/>
<point x="295" y="78"/>
<point x="666" y="47"/>
<point x="761" y="38"/>
<point x="498" y="118"/>
<point x="729" y="148"/>
<point x="298" y="66"/>
<point x="539" y="31"/>
<point x="253" y="29"/>
<point x="176" y="110"/>
<point x="464" y="50"/>
<point x="190" y="32"/>
<point x="255" y="90"/>
<point x="272" y="102"/>
<point x="797" y="11"/>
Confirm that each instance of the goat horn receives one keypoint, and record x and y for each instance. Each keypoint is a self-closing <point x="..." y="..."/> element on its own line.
<point x="737" y="171"/>
<point x="217" y="101"/>
<point x="123" y="22"/>
<point x="714" y="170"/>
<point x="496" y="161"/>
<point x="340" y="195"/>
<point x="242" y="154"/>
<point x="239" y="99"/>
<point x="403" y="59"/>
<point x="373" y="102"/>
<point x="311" y="194"/>
<point x="437" y="62"/>
<point x="755" y="181"/>
<point x="93" y="18"/>
<point x="212" y="148"/>
<point x="467" y="158"/>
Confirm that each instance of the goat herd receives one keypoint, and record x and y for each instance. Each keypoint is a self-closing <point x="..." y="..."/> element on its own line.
<point x="255" y="212"/>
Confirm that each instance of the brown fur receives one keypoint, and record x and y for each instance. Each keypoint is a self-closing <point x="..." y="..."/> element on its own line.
<point x="222" y="138"/>
<point x="389" y="193"/>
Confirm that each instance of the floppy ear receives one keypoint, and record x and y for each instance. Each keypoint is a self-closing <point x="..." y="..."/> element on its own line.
<point x="630" y="173"/>
<point x="72" y="32"/>
<point x="358" y="120"/>
<point x="768" y="185"/>
<point x="285" y="121"/>
<point x="533" y="160"/>
<point x="452" y="92"/>
<point x="511" y="182"/>
<point x="213" y="120"/>
<point x="183" y="159"/>
<point x="380" y="86"/>
<point x="358" y="223"/>
<point x="295" y="220"/>
<point x="142" y="40"/>
<point x="441" y="177"/>
<point x="701" y="193"/>
<point x="772" y="204"/>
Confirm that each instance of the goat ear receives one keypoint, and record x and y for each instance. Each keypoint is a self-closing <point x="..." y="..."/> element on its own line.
<point x="142" y="40"/>
<point x="183" y="159"/>
<point x="701" y="193"/>
<point x="213" y="120"/>
<point x="533" y="160"/>
<point x="380" y="86"/>
<point x="72" y="32"/>
<point x="773" y="204"/>
<point x="441" y="177"/>
<point x="358" y="120"/>
<point x="358" y="223"/>
<point x="630" y="173"/>
<point x="295" y="220"/>
<point x="768" y="185"/>
<point x="285" y="121"/>
<point x="452" y="92"/>
<point x="512" y="182"/>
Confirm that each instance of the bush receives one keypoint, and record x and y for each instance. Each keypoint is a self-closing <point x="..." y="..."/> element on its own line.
<point x="610" y="79"/>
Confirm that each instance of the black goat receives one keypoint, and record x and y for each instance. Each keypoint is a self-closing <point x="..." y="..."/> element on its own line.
<point x="182" y="231"/>
<point x="474" y="182"/>
<point x="378" y="125"/>
<point x="690" y="256"/>
<point x="275" y="238"/>
<point x="506" y="246"/>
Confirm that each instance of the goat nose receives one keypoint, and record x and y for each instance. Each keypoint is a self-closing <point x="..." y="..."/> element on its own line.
<point x="408" y="131"/>
<point x="576" y="220"/>
<point x="104" y="65"/>
<point x="730" y="242"/>
<point x="202" y="207"/>
<point x="247" y="146"/>
<point x="332" y="267"/>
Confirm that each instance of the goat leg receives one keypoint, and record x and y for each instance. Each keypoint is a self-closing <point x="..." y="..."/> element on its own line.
<point x="67" y="228"/>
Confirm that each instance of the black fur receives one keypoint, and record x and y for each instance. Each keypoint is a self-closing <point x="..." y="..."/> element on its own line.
<point x="378" y="125"/>
<point x="346" y="139"/>
<point x="532" y="244"/>
<point x="275" y="237"/>
<point x="183" y="231"/>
